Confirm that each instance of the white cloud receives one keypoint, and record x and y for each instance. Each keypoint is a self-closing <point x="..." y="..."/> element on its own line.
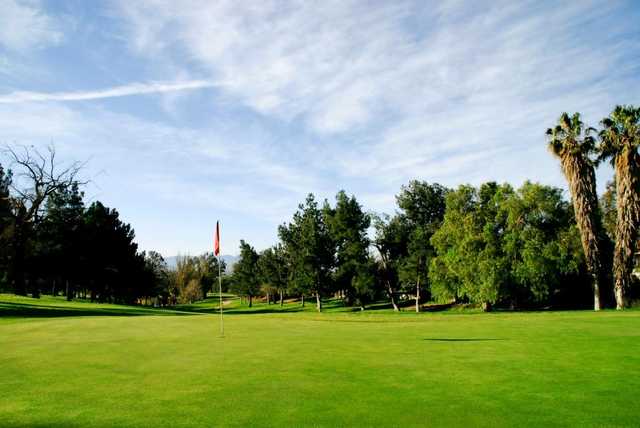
<point x="348" y="66"/>
<point x="151" y="170"/>
<point x="25" y="25"/>
<point x="347" y="94"/>
<point x="118" y="91"/>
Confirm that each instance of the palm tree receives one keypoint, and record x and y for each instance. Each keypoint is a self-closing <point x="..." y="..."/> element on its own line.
<point x="619" y="141"/>
<point x="572" y="143"/>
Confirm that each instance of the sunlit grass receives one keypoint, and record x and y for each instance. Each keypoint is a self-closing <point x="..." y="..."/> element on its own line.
<point x="290" y="368"/>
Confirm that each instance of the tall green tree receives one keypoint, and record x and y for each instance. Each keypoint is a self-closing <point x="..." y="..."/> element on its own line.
<point x="310" y="250"/>
<point x="60" y="249"/>
<point x="246" y="273"/>
<point x="619" y="141"/>
<point x="354" y="268"/>
<point x="423" y="206"/>
<point x="40" y="176"/>
<point x="497" y="245"/>
<point x="157" y="276"/>
<point x="537" y="244"/>
<point x="573" y="144"/>
<point x="114" y="264"/>
<point x="5" y="226"/>
<point x="274" y="270"/>
<point x="470" y="262"/>
<point x="390" y="240"/>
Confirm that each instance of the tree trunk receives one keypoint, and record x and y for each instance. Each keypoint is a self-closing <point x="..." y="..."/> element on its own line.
<point x="390" y="290"/>
<point x="486" y="306"/>
<point x="35" y="291"/>
<point x="302" y="297"/>
<point x="392" y="296"/>
<point x="281" y="298"/>
<point x="418" y="295"/>
<point x="318" y="302"/>
<point x="582" y="183"/>
<point x="268" y="299"/>
<point x="68" y="292"/>
<point x="250" y="301"/>
<point x="628" y="207"/>
<point x="597" y="305"/>
<point x="18" y="262"/>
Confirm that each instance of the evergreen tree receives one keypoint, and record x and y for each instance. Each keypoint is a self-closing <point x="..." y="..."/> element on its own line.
<point x="348" y="224"/>
<point x="5" y="227"/>
<point x="274" y="271"/>
<point x="245" y="272"/>
<point x="310" y="250"/>
<point x="60" y="252"/>
<point x="113" y="262"/>
<point x="156" y="277"/>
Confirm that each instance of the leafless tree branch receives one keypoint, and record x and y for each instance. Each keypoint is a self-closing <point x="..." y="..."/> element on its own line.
<point x="39" y="175"/>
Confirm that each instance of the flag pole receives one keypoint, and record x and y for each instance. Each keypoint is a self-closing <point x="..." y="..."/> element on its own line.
<point x="219" y="278"/>
<point x="220" y="292"/>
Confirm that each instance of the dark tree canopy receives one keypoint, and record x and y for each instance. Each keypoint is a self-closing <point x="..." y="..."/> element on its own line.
<point x="246" y="273"/>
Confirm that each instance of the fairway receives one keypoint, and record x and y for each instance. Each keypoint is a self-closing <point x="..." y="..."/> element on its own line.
<point x="77" y="364"/>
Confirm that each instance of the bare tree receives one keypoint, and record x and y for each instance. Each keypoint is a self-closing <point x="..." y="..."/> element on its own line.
<point x="36" y="176"/>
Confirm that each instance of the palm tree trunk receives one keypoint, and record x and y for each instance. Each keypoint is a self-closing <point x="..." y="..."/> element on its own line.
<point x="582" y="183"/>
<point x="628" y="207"/>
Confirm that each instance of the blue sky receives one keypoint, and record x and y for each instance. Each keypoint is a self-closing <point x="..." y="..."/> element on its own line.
<point x="192" y="111"/>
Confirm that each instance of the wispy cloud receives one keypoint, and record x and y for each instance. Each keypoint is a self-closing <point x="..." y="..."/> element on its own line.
<point x="25" y="25"/>
<point x="118" y="91"/>
<point x="315" y="97"/>
<point x="351" y="66"/>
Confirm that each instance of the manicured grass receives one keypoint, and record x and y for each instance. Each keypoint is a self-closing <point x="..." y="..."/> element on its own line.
<point x="298" y="368"/>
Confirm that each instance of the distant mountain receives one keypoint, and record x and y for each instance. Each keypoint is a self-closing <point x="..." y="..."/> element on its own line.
<point x="172" y="261"/>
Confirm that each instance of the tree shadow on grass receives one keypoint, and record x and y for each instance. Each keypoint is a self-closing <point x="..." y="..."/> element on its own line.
<point x="263" y="311"/>
<point x="40" y="425"/>
<point x="246" y="310"/>
<point x="433" y="339"/>
<point x="26" y="310"/>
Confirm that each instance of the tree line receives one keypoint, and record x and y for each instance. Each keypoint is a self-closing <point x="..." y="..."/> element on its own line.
<point x="488" y="245"/>
<point x="52" y="242"/>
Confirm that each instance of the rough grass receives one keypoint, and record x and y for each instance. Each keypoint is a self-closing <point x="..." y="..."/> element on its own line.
<point x="98" y="366"/>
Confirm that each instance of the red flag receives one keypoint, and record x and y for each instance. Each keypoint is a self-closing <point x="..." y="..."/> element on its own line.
<point x="216" y="244"/>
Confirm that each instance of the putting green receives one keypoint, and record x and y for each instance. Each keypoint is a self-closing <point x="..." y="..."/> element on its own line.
<point x="78" y="364"/>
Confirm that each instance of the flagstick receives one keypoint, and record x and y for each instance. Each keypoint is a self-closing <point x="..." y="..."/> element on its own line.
<point x="220" y="291"/>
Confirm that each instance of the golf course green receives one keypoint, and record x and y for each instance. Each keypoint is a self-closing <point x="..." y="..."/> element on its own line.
<point x="74" y="364"/>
